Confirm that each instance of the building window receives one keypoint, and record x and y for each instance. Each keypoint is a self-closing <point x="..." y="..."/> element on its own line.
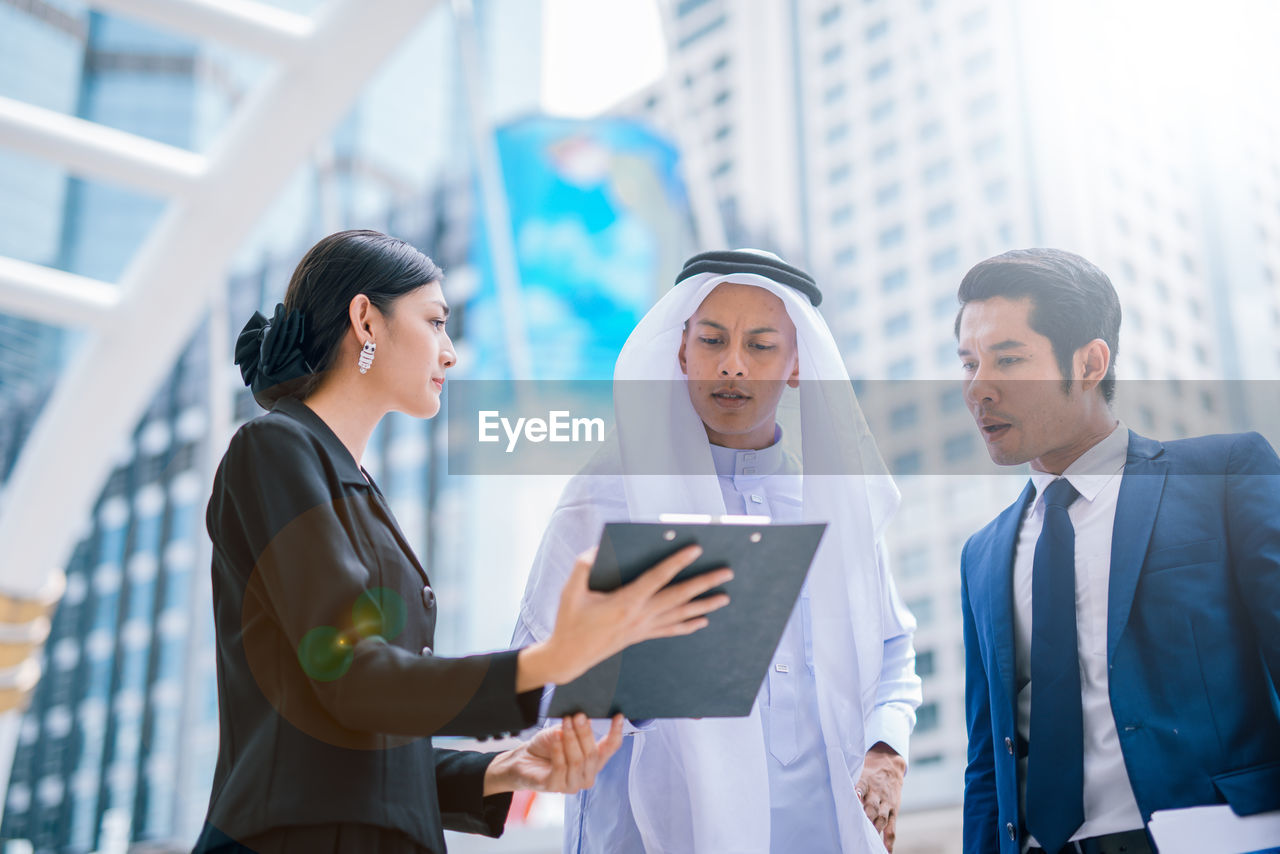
<point x="724" y="167"/>
<point x="940" y="215"/>
<point x="983" y="104"/>
<point x="832" y="54"/>
<point x="837" y="133"/>
<point x="951" y="400"/>
<point x="839" y="173"/>
<point x="894" y="280"/>
<point x="908" y="463"/>
<point x="721" y="62"/>
<point x="987" y="148"/>
<point x="914" y="562"/>
<point x="978" y="63"/>
<point x="878" y="30"/>
<point x="881" y="111"/>
<point x="845" y="256"/>
<point x="937" y="170"/>
<point x="944" y="259"/>
<point x="721" y="98"/>
<point x="884" y="151"/>
<point x="842" y="214"/>
<point x="684" y="7"/>
<point x="723" y="131"/>
<point x="904" y="416"/>
<point x="830" y="15"/>
<point x="921" y="609"/>
<point x="974" y="20"/>
<point x="888" y="194"/>
<point x="930" y="130"/>
<point x="880" y="70"/>
<point x="996" y="191"/>
<point x="902" y="369"/>
<point x="957" y="448"/>
<point x="833" y="93"/>
<point x="892" y="236"/>
<point x="898" y="324"/>
<point x="927" y="717"/>
<point x="924" y="663"/>
<point x="701" y="32"/>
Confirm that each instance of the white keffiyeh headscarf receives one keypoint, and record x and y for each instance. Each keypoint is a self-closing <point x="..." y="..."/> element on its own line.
<point x="711" y="775"/>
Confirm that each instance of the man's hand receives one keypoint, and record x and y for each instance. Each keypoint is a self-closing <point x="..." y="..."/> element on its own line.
<point x="880" y="788"/>
<point x="563" y="759"/>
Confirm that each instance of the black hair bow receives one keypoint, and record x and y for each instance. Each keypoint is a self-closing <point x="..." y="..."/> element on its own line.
<point x="269" y="352"/>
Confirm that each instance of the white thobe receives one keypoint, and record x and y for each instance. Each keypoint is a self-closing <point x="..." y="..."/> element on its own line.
<point x="762" y="483"/>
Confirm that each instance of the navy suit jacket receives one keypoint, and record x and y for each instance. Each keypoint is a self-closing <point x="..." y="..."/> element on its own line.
<point x="1193" y="636"/>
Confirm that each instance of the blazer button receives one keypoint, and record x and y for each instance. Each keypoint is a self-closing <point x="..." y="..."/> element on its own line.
<point x="1013" y="834"/>
<point x="426" y="650"/>
<point x="1008" y="745"/>
<point x="428" y="597"/>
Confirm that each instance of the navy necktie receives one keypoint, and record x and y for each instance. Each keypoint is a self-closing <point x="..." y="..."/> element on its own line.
<point x="1055" y="758"/>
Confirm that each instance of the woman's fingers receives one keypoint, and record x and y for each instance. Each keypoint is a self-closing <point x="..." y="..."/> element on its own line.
<point x="688" y="627"/>
<point x="699" y="607"/>
<point x="660" y="574"/>
<point x="678" y="594"/>
<point x="581" y="570"/>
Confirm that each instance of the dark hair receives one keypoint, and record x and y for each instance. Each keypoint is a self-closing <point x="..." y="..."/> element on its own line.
<point x="329" y="276"/>
<point x="1072" y="302"/>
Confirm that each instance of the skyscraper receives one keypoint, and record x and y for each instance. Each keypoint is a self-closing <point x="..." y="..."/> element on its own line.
<point x="120" y="737"/>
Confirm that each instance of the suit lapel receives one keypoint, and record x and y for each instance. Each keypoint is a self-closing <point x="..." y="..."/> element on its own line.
<point x="1136" y="506"/>
<point x="998" y="560"/>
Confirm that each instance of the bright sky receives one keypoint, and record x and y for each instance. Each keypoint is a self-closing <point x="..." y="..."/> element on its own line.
<point x="596" y="52"/>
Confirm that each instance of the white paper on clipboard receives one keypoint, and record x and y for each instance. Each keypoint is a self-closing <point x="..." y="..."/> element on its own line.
<point x="1213" y="830"/>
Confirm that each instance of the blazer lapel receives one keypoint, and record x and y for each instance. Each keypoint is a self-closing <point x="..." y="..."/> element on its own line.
<point x="998" y="561"/>
<point x="1136" y="507"/>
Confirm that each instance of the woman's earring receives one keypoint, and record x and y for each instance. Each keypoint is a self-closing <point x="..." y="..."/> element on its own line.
<point x="366" y="356"/>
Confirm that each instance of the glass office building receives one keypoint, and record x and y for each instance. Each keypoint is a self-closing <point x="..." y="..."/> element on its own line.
<point x="119" y="740"/>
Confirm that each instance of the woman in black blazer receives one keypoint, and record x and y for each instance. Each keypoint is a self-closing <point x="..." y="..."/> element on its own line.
<point x="328" y="689"/>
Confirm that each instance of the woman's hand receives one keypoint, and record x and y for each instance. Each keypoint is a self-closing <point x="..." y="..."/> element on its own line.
<point x="563" y="759"/>
<point x="592" y="626"/>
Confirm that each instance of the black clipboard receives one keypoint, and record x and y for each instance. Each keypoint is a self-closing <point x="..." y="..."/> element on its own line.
<point x="715" y="672"/>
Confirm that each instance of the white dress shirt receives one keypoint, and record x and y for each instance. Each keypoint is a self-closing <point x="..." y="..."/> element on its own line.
<point x="761" y="483"/>
<point x="1109" y="804"/>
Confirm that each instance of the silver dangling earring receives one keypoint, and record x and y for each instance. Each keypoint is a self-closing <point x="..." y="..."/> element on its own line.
<point x="366" y="356"/>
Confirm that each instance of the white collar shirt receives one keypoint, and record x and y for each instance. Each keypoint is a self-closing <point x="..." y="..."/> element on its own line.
<point x="1109" y="803"/>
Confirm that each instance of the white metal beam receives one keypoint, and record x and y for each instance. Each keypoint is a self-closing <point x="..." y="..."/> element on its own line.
<point x="256" y="27"/>
<point x="54" y="297"/>
<point x="95" y="151"/>
<point x="164" y="290"/>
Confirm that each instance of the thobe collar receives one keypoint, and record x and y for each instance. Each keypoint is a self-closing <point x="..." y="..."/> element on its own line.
<point x="1093" y="470"/>
<point x="746" y="465"/>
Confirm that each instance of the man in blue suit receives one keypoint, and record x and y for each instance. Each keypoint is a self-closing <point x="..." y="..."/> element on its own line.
<point x="1135" y="584"/>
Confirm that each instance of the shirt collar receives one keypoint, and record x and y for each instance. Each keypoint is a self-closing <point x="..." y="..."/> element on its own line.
<point x="1095" y="467"/>
<point x="731" y="462"/>
<point x="345" y="465"/>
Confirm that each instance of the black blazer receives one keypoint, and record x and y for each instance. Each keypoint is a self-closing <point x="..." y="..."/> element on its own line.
<point x="328" y="693"/>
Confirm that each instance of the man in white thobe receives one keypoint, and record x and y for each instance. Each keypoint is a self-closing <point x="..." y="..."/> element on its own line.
<point x="818" y="764"/>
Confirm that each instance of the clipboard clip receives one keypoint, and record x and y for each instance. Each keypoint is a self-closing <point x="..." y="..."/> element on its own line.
<point x="708" y="519"/>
